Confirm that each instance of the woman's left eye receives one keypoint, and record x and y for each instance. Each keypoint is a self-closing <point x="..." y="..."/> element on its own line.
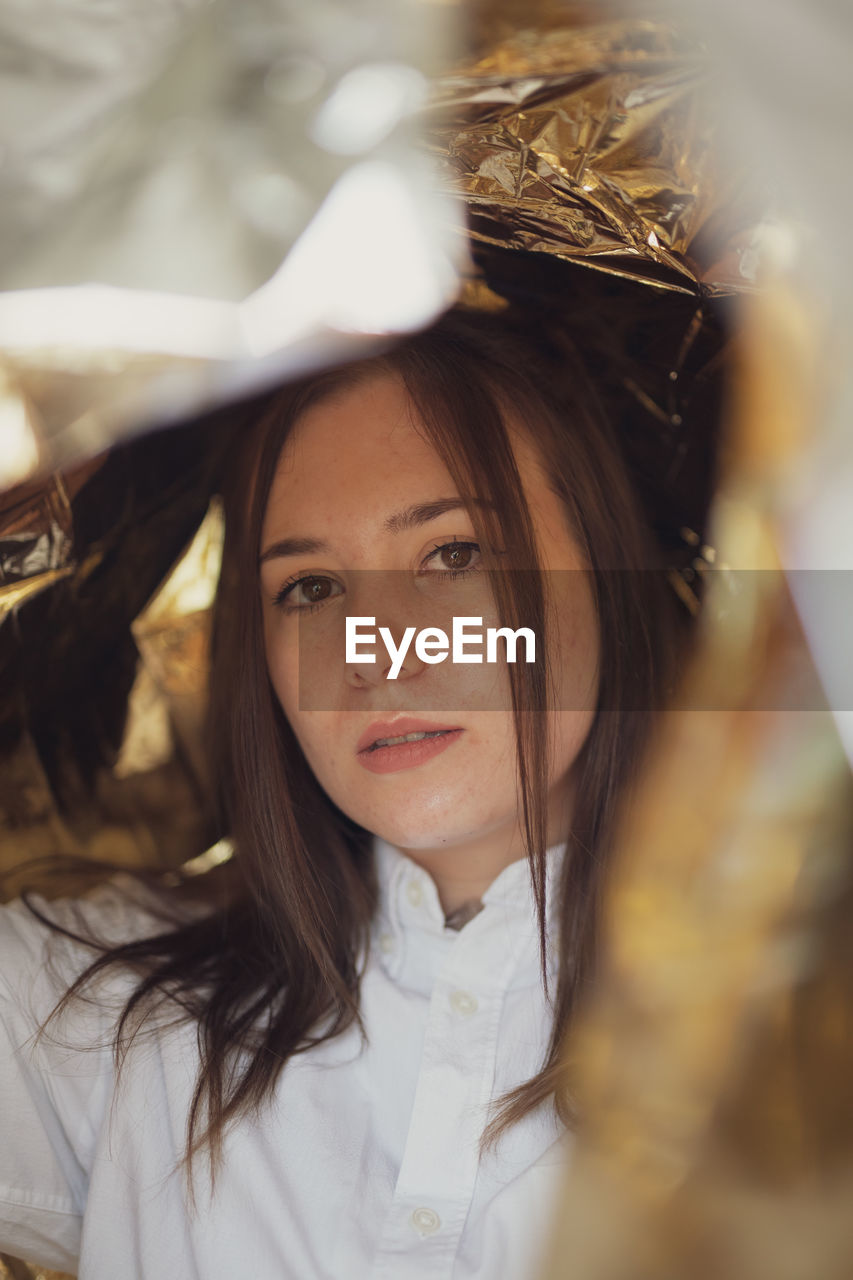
<point x="307" y="593"/>
<point x="455" y="558"/>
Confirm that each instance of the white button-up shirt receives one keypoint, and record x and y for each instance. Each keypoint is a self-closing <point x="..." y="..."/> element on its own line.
<point x="365" y="1166"/>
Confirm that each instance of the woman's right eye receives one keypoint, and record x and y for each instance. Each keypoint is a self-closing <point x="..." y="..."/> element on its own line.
<point x="307" y="593"/>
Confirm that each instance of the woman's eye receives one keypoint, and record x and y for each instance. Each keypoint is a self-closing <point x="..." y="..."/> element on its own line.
<point x="453" y="558"/>
<point x="307" y="592"/>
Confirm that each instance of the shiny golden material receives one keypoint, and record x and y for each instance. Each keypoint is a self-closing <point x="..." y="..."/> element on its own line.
<point x="172" y="635"/>
<point x="103" y="673"/>
<point x="35" y="541"/>
<point x="713" y="1067"/>
<point x="587" y="140"/>
<point x="12" y="1269"/>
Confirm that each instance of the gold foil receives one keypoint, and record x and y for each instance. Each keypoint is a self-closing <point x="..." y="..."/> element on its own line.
<point x="588" y="141"/>
<point x="712" y="1069"/>
<point x="90" y="767"/>
<point x="172" y="635"/>
<point x="35" y="541"/>
<point x="13" y="1269"/>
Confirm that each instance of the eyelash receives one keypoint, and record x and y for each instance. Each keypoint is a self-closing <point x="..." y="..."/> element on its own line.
<point x="293" y="582"/>
<point x="454" y="544"/>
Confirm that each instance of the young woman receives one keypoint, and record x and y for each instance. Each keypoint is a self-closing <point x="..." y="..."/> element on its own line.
<point x="350" y="1063"/>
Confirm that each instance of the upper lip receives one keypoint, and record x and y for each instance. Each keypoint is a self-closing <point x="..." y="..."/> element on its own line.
<point x="396" y="729"/>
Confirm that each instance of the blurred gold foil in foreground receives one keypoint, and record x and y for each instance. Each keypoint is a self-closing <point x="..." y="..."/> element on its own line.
<point x="12" y="1269"/>
<point x="713" y="1064"/>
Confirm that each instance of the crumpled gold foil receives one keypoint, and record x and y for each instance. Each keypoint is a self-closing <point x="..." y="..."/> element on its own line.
<point x="102" y="742"/>
<point x="586" y="139"/>
<point x="172" y="635"/>
<point x="35" y="542"/>
<point x="12" y="1269"/>
<point x="713" y="1067"/>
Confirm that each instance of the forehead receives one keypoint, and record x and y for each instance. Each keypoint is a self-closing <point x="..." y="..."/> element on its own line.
<point x="364" y="449"/>
<point x="362" y="453"/>
<point x="369" y="417"/>
<point x="360" y="444"/>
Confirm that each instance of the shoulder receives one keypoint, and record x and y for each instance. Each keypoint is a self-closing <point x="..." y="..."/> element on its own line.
<point x="57" y="1073"/>
<point x="45" y="945"/>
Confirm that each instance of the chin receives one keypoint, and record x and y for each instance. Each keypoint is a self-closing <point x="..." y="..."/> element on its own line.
<point x="409" y="828"/>
<point x="412" y="835"/>
<point x="427" y="830"/>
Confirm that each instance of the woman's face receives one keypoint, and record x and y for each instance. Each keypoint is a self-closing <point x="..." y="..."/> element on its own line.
<point x="363" y="519"/>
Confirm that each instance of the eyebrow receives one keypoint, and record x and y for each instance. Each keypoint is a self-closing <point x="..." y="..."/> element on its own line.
<point x="409" y="518"/>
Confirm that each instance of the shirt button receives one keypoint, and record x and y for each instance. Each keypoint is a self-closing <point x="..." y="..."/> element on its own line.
<point x="386" y="942"/>
<point x="414" y="893"/>
<point x="463" y="1003"/>
<point x="425" y="1221"/>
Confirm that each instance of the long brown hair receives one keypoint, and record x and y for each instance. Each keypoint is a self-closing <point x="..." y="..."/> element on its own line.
<point x="275" y="967"/>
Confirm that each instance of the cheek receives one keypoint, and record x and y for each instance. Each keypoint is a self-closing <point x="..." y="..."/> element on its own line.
<point x="575" y="645"/>
<point x="576" y="657"/>
<point x="569" y="730"/>
<point x="314" y="730"/>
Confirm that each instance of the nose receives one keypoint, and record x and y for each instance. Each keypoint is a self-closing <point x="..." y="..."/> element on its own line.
<point x="388" y="599"/>
<point x="363" y="673"/>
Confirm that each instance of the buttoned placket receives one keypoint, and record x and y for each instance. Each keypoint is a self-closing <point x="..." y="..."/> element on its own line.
<point x="472" y="970"/>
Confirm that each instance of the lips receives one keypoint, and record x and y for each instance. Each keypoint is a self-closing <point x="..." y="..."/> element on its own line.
<point x="397" y="729"/>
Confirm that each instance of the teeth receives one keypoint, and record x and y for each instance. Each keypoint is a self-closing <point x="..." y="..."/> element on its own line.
<point x="408" y="737"/>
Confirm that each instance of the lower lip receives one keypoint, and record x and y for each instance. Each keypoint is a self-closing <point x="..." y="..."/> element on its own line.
<point x="406" y="755"/>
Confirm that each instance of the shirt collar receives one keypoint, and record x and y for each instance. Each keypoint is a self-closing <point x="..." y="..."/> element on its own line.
<point x="413" y="942"/>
